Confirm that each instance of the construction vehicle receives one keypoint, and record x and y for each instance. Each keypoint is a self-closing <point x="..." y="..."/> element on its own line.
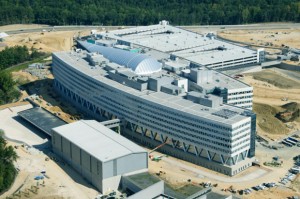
<point x="289" y="141"/>
<point x="157" y="158"/>
<point x="293" y="139"/>
<point x="161" y="145"/>
<point x="286" y="143"/>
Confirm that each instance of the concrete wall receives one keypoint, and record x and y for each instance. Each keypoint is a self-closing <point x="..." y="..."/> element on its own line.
<point x="132" y="163"/>
<point x="103" y="176"/>
<point x="125" y="164"/>
<point x="288" y="67"/>
<point x="82" y="162"/>
<point x="200" y="194"/>
<point x="111" y="183"/>
<point x="150" y="192"/>
<point x="175" y="152"/>
<point x="131" y="83"/>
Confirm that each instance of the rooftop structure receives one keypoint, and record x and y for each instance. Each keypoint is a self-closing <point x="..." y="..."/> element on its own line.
<point x="138" y="63"/>
<point x="42" y="119"/>
<point x="234" y="92"/>
<point x="200" y="49"/>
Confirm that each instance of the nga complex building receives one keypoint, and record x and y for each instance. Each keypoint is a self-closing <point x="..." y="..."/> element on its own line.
<point x="163" y="84"/>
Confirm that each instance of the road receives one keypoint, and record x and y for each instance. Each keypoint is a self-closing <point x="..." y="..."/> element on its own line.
<point x="60" y="28"/>
<point x="258" y="173"/>
<point x="207" y="27"/>
<point x="246" y="27"/>
<point x="250" y="177"/>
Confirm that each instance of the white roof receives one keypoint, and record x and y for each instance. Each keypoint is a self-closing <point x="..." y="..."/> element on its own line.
<point x="3" y="34"/>
<point x="160" y="98"/>
<point x="98" y="140"/>
<point x="182" y="43"/>
<point x="139" y="63"/>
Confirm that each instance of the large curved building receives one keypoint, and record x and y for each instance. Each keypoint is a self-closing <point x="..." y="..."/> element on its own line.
<point x="157" y="107"/>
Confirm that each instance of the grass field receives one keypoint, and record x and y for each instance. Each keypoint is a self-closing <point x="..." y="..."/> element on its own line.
<point x="22" y="66"/>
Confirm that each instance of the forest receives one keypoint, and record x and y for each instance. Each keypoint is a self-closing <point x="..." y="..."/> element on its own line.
<point x="132" y="12"/>
<point x="9" y="57"/>
<point x="7" y="170"/>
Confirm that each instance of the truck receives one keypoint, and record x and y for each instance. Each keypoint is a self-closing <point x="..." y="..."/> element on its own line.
<point x="289" y="141"/>
<point x="286" y="143"/>
<point x="293" y="139"/>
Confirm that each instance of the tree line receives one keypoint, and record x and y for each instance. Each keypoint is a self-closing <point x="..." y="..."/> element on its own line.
<point x="8" y="57"/>
<point x="7" y="170"/>
<point x="132" y="12"/>
<point x="17" y="54"/>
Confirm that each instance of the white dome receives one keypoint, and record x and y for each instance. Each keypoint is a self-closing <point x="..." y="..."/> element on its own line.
<point x="138" y="63"/>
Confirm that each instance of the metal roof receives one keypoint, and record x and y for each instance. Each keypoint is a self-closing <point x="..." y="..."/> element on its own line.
<point x="189" y="45"/>
<point x="98" y="140"/>
<point x="42" y="119"/>
<point x="138" y="63"/>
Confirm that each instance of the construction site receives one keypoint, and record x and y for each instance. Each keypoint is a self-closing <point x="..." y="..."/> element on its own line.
<point x="276" y="102"/>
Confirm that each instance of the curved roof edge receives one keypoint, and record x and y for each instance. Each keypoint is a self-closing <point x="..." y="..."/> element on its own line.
<point x="139" y="63"/>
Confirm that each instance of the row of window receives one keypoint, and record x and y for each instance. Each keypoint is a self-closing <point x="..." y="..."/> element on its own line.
<point x="239" y="133"/>
<point x="239" y="93"/>
<point x="242" y="125"/>
<point x="238" y="98"/>
<point x="162" y="117"/>
<point x="243" y="102"/>
<point x="233" y="64"/>
<point x="241" y="148"/>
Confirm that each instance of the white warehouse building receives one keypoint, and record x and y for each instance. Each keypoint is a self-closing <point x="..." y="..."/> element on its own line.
<point x="99" y="154"/>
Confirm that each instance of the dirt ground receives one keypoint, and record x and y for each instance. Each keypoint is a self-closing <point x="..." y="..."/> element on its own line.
<point x="45" y="41"/>
<point x="51" y="101"/>
<point x="61" y="181"/>
<point x="268" y="98"/>
<point x="178" y="172"/>
<point x="20" y="26"/>
<point x="286" y="37"/>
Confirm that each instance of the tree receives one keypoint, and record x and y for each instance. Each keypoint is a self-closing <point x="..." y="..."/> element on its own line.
<point x="7" y="170"/>
<point x="131" y="12"/>
<point x="245" y="15"/>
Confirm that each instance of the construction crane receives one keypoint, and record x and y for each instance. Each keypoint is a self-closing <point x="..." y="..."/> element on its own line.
<point x="158" y="158"/>
<point x="161" y="145"/>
